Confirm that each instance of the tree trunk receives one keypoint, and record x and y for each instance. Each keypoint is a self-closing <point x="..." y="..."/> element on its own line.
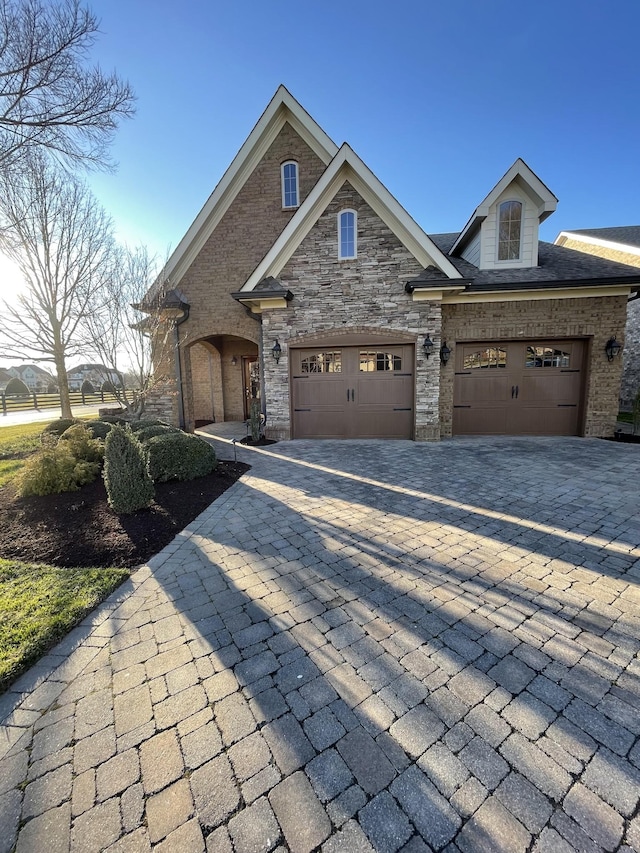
<point x="63" y="386"/>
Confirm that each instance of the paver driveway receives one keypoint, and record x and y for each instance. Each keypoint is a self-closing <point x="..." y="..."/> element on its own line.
<point x="361" y="646"/>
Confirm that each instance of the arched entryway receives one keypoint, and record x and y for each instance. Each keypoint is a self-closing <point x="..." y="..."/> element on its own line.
<point x="222" y="377"/>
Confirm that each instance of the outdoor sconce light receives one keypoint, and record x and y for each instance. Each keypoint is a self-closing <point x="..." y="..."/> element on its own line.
<point x="427" y="346"/>
<point x="612" y="348"/>
<point x="445" y="352"/>
<point x="276" y="351"/>
<point x="234" y="361"/>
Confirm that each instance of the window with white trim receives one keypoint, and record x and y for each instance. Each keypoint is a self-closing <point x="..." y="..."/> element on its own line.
<point x="509" y="230"/>
<point x="289" y="171"/>
<point x="347" y="234"/>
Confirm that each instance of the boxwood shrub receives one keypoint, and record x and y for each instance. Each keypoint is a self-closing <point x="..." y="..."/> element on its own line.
<point x="179" y="456"/>
<point x="146" y="433"/>
<point x="82" y="445"/>
<point x="143" y="423"/>
<point x="98" y="429"/>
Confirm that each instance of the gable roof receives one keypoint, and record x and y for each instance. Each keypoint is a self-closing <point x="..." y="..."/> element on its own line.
<point x="624" y="238"/>
<point x="347" y="166"/>
<point x="527" y="178"/>
<point x="283" y="108"/>
<point x="557" y="267"/>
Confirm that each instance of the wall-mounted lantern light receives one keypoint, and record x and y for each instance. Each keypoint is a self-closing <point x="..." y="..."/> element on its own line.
<point x="276" y="351"/>
<point x="234" y="360"/>
<point x="612" y="348"/>
<point x="445" y="353"/>
<point x="427" y="346"/>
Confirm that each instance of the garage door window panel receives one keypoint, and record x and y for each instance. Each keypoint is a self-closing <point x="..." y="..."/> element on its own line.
<point x="485" y="358"/>
<point x="547" y="357"/>
<point x="322" y="362"/>
<point x="379" y="361"/>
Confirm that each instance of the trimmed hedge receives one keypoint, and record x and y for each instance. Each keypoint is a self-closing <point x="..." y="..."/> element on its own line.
<point x="179" y="456"/>
<point x="126" y="476"/>
<point x="98" y="429"/>
<point x="145" y="434"/>
<point x="143" y="423"/>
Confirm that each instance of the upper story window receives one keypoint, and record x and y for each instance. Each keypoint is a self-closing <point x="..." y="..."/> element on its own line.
<point x="347" y="234"/>
<point x="509" y="230"/>
<point x="290" y="184"/>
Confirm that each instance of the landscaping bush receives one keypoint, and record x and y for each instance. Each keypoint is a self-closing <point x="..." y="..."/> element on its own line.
<point x="58" y="427"/>
<point x="126" y="476"/>
<point x="98" y="429"/>
<point x="82" y="445"/>
<point x="179" y="456"/>
<point x="143" y="423"/>
<point x="55" y="469"/>
<point x="145" y="434"/>
<point x="113" y="419"/>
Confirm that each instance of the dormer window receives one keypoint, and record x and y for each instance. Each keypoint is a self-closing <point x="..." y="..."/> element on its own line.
<point x="509" y="230"/>
<point x="290" y="184"/>
<point x="347" y="234"/>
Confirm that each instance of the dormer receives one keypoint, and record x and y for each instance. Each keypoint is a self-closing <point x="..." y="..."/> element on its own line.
<point x="503" y="230"/>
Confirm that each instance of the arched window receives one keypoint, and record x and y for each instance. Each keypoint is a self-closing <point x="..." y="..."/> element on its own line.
<point x="347" y="234"/>
<point x="509" y="230"/>
<point x="290" y="184"/>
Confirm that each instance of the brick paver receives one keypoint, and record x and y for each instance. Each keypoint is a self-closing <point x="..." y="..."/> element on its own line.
<point x="361" y="646"/>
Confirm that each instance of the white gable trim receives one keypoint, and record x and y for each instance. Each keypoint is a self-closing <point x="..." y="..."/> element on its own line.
<point x="282" y="108"/>
<point x="527" y="178"/>
<point x="563" y="236"/>
<point x="347" y="166"/>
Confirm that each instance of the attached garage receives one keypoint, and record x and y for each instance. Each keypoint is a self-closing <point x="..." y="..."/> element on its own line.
<point x="525" y="387"/>
<point x="364" y="391"/>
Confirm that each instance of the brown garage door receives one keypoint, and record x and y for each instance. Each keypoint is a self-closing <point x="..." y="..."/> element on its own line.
<point x="519" y="388"/>
<point x="353" y="392"/>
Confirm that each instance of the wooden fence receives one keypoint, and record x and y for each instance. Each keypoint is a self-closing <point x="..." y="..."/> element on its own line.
<point x="23" y="402"/>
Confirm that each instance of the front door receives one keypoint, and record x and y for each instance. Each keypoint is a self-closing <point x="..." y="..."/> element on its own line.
<point x="250" y="382"/>
<point x="353" y="392"/>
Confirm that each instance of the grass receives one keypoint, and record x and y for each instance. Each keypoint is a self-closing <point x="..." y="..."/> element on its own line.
<point x="40" y="604"/>
<point x="625" y="417"/>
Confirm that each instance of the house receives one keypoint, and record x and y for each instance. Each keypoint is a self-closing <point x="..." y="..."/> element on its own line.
<point x="34" y="377"/>
<point x="95" y="374"/>
<point x="617" y="244"/>
<point x="303" y="281"/>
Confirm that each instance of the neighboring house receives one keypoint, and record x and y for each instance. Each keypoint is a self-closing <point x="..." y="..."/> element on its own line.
<point x="34" y="377"/>
<point x="96" y="374"/>
<point x="617" y="244"/>
<point x="303" y="281"/>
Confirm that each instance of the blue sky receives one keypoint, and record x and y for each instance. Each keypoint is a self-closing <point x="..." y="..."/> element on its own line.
<point x="438" y="98"/>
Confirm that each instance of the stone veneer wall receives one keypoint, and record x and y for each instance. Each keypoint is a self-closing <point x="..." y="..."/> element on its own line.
<point x="630" y="384"/>
<point x="361" y="295"/>
<point x="245" y="233"/>
<point x="592" y="318"/>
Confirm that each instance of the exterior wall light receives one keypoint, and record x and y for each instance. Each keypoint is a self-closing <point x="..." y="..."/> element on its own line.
<point x="276" y="351"/>
<point x="445" y="353"/>
<point x="612" y="348"/>
<point x="234" y="360"/>
<point x="427" y="346"/>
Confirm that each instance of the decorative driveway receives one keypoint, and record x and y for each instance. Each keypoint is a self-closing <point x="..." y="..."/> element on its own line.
<point x="360" y="646"/>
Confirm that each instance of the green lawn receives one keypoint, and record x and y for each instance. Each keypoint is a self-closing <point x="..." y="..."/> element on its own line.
<point x="39" y="604"/>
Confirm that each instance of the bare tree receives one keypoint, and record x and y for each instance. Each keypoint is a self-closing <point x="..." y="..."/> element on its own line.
<point x="61" y="240"/>
<point x="118" y="334"/>
<point x="50" y="97"/>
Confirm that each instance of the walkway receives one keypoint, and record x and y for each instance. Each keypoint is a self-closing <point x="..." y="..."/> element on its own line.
<point x="362" y="646"/>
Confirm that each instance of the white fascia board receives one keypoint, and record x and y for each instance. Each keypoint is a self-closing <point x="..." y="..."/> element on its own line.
<point x="282" y="108"/>
<point x="347" y="166"/>
<point x="596" y="241"/>
<point x="528" y="180"/>
<point x="588" y="291"/>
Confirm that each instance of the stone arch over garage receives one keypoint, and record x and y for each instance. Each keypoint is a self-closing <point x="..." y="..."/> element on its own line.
<point x="220" y="378"/>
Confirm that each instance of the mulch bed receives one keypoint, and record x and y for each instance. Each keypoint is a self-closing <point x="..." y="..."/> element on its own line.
<point x="78" y="528"/>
